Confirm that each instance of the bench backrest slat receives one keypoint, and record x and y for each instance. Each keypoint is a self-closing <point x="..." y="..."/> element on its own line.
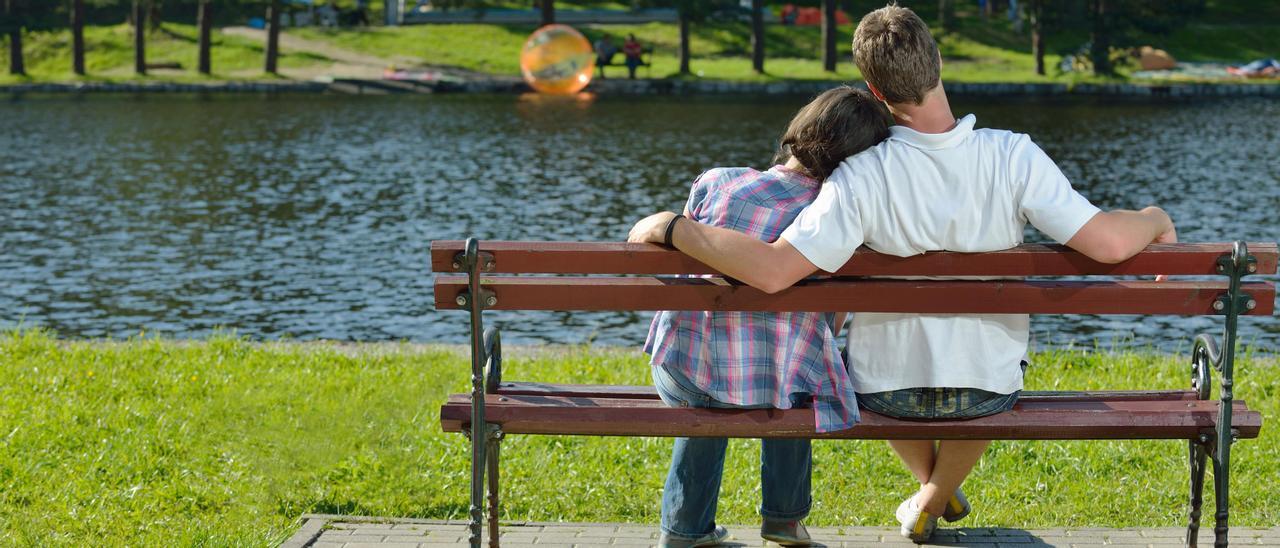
<point x="859" y="295"/>
<point x="1024" y="260"/>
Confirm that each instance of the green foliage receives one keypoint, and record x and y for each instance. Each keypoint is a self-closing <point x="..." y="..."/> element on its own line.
<point x="224" y="442"/>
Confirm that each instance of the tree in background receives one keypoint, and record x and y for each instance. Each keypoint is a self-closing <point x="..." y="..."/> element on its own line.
<point x="1100" y="38"/>
<point x="829" y="35"/>
<point x="13" y="19"/>
<point x="77" y="37"/>
<point x="946" y="15"/>
<point x="204" y="20"/>
<point x="548" y="10"/>
<point x="757" y="36"/>
<point x="139" y="19"/>
<point x="1035" y="12"/>
<point x="273" y="36"/>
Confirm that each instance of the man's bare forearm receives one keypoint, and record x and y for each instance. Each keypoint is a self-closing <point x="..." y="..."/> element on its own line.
<point x="1115" y="236"/>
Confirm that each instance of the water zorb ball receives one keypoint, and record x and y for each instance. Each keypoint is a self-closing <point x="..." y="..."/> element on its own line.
<point x="557" y="59"/>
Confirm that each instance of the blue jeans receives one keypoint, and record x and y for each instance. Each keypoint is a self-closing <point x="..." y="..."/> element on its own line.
<point x="938" y="403"/>
<point x="693" y="482"/>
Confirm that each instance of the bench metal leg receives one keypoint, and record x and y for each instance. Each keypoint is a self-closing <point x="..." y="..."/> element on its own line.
<point x="1199" y="453"/>
<point x="495" y="440"/>
<point x="1236" y="266"/>
<point x="1221" y="474"/>
<point x="492" y="380"/>
<point x="476" y="299"/>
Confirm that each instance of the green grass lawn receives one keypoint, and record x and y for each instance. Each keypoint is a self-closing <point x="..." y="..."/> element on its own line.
<point x="721" y="51"/>
<point x="109" y="55"/>
<point x="978" y="51"/>
<point x="226" y="443"/>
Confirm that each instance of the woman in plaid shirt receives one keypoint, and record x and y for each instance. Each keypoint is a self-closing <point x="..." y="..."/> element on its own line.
<point x="759" y="359"/>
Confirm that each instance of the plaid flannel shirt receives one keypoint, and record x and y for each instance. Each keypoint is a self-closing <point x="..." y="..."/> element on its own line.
<point x="756" y="358"/>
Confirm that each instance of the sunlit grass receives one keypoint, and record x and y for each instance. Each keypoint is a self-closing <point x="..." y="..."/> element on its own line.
<point x="226" y="442"/>
<point x="109" y="55"/>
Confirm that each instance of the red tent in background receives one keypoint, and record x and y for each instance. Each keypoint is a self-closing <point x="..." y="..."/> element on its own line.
<point x="791" y="15"/>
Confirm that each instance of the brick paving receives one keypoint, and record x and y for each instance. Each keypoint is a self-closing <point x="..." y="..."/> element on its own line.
<point x="326" y="531"/>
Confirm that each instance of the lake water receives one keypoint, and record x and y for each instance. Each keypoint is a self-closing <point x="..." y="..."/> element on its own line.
<point x="309" y="216"/>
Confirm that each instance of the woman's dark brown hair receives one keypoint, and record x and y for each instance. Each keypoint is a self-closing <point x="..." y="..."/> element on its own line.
<point x="836" y="125"/>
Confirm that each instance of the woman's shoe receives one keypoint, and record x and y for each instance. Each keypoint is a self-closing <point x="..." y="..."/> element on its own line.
<point x="785" y="533"/>
<point x="917" y="524"/>
<point x="957" y="508"/>
<point x="715" y="537"/>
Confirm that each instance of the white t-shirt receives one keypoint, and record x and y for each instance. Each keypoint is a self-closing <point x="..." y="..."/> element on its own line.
<point x="963" y="190"/>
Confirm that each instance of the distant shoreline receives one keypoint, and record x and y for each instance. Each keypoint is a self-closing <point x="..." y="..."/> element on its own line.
<point x="641" y="87"/>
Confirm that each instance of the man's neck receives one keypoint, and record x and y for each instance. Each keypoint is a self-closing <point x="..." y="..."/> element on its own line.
<point x="931" y="116"/>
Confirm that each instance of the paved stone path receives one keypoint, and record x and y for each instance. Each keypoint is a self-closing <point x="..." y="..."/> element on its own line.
<point x="324" y="531"/>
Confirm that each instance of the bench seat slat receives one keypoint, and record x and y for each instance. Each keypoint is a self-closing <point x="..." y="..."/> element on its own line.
<point x="860" y="295"/>
<point x="1024" y="260"/>
<point x="648" y="392"/>
<point x="1030" y="419"/>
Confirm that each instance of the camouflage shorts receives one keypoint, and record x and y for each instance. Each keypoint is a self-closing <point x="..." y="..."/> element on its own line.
<point x="938" y="403"/>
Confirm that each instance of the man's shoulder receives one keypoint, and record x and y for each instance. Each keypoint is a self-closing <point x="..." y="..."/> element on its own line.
<point x="1010" y="141"/>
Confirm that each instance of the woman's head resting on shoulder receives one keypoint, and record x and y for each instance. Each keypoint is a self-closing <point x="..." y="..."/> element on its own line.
<point x="837" y="124"/>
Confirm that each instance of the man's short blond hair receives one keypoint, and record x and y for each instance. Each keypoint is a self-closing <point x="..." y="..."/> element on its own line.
<point x="896" y="54"/>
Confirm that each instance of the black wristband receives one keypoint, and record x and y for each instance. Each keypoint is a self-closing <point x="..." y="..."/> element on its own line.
<point x="671" y="227"/>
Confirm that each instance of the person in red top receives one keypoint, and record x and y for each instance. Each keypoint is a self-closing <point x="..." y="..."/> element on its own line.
<point x="631" y="48"/>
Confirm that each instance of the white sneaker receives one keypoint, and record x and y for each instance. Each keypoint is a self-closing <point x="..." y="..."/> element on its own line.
<point x="957" y="508"/>
<point x="917" y="524"/>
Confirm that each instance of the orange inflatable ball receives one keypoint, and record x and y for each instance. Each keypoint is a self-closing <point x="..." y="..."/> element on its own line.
<point x="557" y="59"/>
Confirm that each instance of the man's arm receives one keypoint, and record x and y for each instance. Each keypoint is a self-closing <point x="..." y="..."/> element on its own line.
<point x="769" y="267"/>
<point x="1115" y="236"/>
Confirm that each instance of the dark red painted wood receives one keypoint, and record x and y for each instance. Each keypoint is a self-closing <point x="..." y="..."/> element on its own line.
<point x="1029" y="420"/>
<point x="648" y="392"/>
<point x="1024" y="260"/>
<point x="861" y="295"/>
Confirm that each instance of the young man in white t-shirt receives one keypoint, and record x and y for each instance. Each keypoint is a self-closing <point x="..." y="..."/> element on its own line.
<point x="936" y="184"/>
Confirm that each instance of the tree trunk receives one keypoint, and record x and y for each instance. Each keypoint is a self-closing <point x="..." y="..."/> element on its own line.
<point x="1037" y="35"/>
<point x="153" y="14"/>
<point x="77" y="37"/>
<point x="945" y="17"/>
<point x="829" y="35"/>
<point x="684" y="43"/>
<point x="548" y="12"/>
<point x="16" y="66"/>
<point x="757" y="35"/>
<point x="273" y="36"/>
<point x="139" y="37"/>
<point x="1100" y="37"/>
<point x="204" y="19"/>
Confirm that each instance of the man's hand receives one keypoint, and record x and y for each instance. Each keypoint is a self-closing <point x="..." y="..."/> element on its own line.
<point x="651" y="229"/>
<point x="1167" y="237"/>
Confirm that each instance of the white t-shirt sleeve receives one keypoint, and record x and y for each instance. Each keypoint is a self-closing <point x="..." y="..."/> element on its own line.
<point x="1047" y="199"/>
<point x="829" y="230"/>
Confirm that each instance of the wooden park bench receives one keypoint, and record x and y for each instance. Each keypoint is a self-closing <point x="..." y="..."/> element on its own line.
<point x="637" y="277"/>
<point x="646" y="61"/>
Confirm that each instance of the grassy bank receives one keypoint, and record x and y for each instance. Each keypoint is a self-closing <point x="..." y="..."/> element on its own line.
<point x="977" y="51"/>
<point x="109" y="55"/>
<point x="224" y="442"/>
